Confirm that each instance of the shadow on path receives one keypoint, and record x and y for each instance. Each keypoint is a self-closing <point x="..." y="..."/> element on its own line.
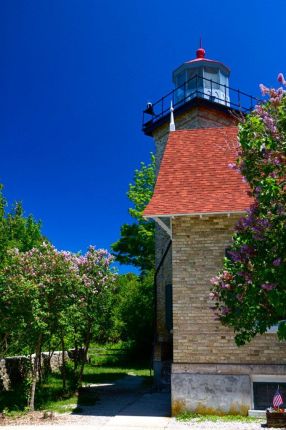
<point x="128" y="396"/>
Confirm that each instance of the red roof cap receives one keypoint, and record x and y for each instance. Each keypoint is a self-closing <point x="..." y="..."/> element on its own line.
<point x="201" y="53"/>
<point x="195" y="176"/>
<point x="200" y="56"/>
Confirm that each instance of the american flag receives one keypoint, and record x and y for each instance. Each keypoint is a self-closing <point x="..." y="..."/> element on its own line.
<point x="277" y="399"/>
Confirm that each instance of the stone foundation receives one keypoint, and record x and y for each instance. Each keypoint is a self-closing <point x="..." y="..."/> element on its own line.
<point x="218" y="389"/>
<point x="211" y="394"/>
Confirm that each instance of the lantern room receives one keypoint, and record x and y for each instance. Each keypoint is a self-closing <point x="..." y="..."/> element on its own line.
<point x="203" y="78"/>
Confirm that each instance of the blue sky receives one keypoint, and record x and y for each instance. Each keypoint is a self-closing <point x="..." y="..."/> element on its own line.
<point x="74" y="78"/>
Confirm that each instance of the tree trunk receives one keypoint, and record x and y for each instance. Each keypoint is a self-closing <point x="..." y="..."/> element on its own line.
<point x="35" y="374"/>
<point x="64" y="373"/>
<point x="40" y="366"/>
<point x="86" y="346"/>
<point x="76" y="351"/>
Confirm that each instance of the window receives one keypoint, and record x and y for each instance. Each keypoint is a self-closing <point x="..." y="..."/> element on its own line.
<point x="194" y="80"/>
<point x="263" y="393"/>
<point x="180" y="79"/>
<point x="212" y="78"/>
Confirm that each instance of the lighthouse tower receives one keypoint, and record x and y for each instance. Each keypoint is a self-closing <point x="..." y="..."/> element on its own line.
<point x="196" y="203"/>
<point x="201" y="98"/>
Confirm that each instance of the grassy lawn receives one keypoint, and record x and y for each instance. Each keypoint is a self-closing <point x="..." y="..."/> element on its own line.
<point x="107" y="364"/>
<point x="190" y="416"/>
<point x="54" y="401"/>
<point x="102" y="374"/>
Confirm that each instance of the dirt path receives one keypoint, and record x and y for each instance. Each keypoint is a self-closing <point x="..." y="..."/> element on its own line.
<point x="126" y="404"/>
<point x="127" y="399"/>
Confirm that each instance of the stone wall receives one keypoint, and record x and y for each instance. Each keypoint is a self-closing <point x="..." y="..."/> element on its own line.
<point x="211" y="394"/>
<point x="13" y="370"/>
<point x="202" y="346"/>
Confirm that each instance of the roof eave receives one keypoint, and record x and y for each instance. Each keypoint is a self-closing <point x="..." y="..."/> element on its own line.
<point x="194" y="214"/>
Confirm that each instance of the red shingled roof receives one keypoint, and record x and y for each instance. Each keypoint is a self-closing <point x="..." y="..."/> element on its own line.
<point x="195" y="177"/>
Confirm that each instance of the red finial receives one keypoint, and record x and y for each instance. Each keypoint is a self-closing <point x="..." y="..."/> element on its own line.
<point x="201" y="52"/>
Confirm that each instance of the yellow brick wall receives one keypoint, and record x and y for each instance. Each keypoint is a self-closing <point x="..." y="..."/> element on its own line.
<point x="196" y="117"/>
<point x="198" y="252"/>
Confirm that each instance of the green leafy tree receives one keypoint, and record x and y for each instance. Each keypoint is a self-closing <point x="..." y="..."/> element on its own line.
<point x="136" y="244"/>
<point x="249" y="294"/>
<point x="133" y="310"/>
<point x="97" y="283"/>
<point x="45" y="293"/>
<point x="16" y="230"/>
<point x="35" y="289"/>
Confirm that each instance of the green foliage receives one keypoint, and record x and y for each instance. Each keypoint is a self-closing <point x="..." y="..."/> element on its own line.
<point x="136" y="244"/>
<point x="134" y="309"/>
<point x="35" y="288"/>
<point x="192" y="416"/>
<point x="249" y="294"/>
<point x="141" y="191"/>
<point x="50" y="395"/>
<point x="16" y="230"/>
<point x="46" y="294"/>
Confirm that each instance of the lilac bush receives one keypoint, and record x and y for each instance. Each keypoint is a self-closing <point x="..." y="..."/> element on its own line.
<point x="249" y="294"/>
<point x="49" y="294"/>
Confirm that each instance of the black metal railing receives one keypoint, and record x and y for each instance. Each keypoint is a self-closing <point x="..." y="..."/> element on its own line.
<point x="198" y="87"/>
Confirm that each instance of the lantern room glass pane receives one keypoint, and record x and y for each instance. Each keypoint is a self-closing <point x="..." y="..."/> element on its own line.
<point x="195" y="81"/>
<point x="212" y="78"/>
<point x="180" y="79"/>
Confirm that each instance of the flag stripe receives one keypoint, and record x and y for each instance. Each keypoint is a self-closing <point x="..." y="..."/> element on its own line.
<point x="277" y="399"/>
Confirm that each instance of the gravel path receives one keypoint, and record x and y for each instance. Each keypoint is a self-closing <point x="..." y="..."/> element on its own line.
<point x="126" y="405"/>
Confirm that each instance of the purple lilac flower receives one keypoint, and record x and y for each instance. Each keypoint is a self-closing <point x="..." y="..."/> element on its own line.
<point x="246" y="276"/>
<point x="235" y="256"/>
<point x="225" y="286"/>
<point x="276" y="262"/>
<point x="277" y="161"/>
<point x="267" y="286"/>
<point x="247" y="249"/>
<point x="264" y="90"/>
<point x="280" y="78"/>
<point x="213" y="296"/>
<point x="267" y="119"/>
<point x="215" y="280"/>
<point x="225" y="310"/>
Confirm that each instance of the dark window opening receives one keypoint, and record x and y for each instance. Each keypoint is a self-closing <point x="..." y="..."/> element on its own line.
<point x="263" y="393"/>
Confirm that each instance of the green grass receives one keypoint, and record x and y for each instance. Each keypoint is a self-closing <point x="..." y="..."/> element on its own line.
<point x="102" y="374"/>
<point x="61" y="406"/>
<point x="191" y="416"/>
<point x="13" y="402"/>
<point x="107" y="367"/>
<point x="113" y="361"/>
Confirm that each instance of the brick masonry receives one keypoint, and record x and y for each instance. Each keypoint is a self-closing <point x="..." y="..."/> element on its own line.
<point x="196" y="117"/>
<point x="198" y="251"/>
<point x="207" y="363"/>
<point x="209" y="372"/>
